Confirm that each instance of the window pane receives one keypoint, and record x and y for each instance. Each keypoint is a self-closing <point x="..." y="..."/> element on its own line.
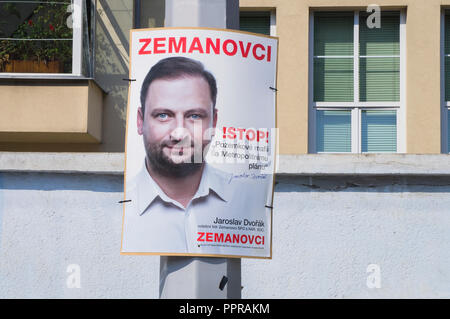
<point x="379" y="131"/>
<point x="35" y="37"/>
<point x="333" y="79"/>
<point x="333" y="33"/>
<point x="88" y="39"/>
<point x="379" y="79"/>
<point x="334" y="131"/>
<point x="447" y="34"/>
<point x="447" y="59"/>
<point x="447" y="78"/>
<point x="380" y="41"/>
<point x="257" y="22"/>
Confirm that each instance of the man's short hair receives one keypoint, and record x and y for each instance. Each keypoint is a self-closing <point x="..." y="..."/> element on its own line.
<point x="176" y="67"/>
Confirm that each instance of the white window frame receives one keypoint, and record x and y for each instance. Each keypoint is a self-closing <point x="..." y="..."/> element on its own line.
<point x="445" y="105"/>
<point x="357" y="107"/>
<point x="77" y="48"/>
<point x="273" y="23"/>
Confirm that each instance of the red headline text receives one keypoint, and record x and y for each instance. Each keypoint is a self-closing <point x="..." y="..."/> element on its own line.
<point x="233" y="133"/>
<point x="230" y="238"/>
<point x="216" y="46"/>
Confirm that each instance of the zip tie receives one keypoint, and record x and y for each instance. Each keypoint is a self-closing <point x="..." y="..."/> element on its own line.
<point x="125" y="201"/>
<point x="273" y="89"/>
<point x="223" y="282"/>
<point x="271" y="207"/>
<point x="129" y="80"/>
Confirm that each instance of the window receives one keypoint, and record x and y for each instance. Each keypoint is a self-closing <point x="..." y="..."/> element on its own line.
<point x="356" y="93"/>
<point x="257" y="22"/>
<point x="46" y="37"/>
<point x="445" y="62"/>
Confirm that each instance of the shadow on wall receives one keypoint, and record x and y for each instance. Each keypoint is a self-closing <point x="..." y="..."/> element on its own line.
<point x="114" y="20"/>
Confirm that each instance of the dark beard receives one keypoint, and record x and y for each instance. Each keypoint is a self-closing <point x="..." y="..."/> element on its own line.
<point x="166" y="167"/>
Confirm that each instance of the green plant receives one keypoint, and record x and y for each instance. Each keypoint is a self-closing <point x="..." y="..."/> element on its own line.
<point x="47" y="21"/>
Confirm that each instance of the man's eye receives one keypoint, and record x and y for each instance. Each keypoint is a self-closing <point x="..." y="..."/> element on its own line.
<point x="162" y="116"/>
<point x="195" y="116"/>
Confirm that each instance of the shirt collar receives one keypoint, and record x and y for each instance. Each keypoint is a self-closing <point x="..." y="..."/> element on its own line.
<point x="211" y="180"/>
<point x="216" y="181"/>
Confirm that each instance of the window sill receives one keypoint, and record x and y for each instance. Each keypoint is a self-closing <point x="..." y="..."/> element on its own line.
<point x="43" y="76"/>
<point x="47" y="77"/>
<point x="364" y="164"/>
<point x="82" y="163"/>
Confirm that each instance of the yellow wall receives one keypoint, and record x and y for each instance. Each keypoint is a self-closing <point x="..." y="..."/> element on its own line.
<point x="423" y="123"/>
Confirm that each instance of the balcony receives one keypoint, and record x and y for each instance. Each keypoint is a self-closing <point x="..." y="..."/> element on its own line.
<point x="50" y="111"/>
<point x="46" y="73"/>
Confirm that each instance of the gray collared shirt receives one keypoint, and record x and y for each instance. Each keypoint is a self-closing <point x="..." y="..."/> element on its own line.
<point x="156" y="223"/>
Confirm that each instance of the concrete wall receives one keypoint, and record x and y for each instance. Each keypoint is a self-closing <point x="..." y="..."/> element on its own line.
<point x="327" y="230"/>
<point x="51" y="221"/>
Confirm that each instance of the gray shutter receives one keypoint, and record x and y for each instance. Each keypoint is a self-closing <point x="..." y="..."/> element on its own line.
<point x="378" y="131"/>
<point x="334" y="131"/>
<point x="447" y="59"/>
<point x="380" y="76"/>
<point x="256" y="22"/>
<point x="333" y="76"/>
<point x="448" y="130"/>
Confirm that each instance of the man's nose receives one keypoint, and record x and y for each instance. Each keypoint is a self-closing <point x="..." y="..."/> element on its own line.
<point x="179" y="132"/>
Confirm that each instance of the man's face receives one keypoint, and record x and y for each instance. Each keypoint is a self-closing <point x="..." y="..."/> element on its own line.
<point x="178" y="112"/>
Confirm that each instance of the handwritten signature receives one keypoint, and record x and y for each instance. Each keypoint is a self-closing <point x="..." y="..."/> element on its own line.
<point x="250" y="176"/>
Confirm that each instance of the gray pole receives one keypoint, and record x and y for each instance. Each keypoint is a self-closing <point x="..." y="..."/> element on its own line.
<point x="200" y="277"/>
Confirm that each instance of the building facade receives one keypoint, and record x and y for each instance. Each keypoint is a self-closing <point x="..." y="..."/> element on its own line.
<point x="361" y="207"/>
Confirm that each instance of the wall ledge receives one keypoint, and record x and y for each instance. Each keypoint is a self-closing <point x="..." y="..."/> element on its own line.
<point x="364" y="164"/>
<point x="37" y="162"/>
<point x="307" y="165"/>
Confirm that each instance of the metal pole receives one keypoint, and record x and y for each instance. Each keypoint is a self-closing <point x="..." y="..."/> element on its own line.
<point x="200" y="277"/>
<point x="137" y="14"/>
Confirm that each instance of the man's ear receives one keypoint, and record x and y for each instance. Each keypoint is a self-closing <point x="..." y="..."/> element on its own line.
<point x="140" y="121"/>
<point x="214" y="118"/>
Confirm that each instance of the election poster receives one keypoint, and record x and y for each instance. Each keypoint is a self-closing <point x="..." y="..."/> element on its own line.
<point x="200" y="143"/>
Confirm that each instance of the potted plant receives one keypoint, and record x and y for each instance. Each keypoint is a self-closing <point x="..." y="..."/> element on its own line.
<point x="30" y="54"/>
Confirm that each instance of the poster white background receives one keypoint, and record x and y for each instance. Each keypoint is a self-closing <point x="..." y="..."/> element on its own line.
<point x="244" y="99"/>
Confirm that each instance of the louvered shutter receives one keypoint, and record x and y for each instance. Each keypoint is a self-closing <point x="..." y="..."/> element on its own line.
<point x="334" y="131"/>
<point x="378" y="131"/>
<point x="333" y="61"/>
<point x="256" y="22"/>
<point x="379" y="49"/>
